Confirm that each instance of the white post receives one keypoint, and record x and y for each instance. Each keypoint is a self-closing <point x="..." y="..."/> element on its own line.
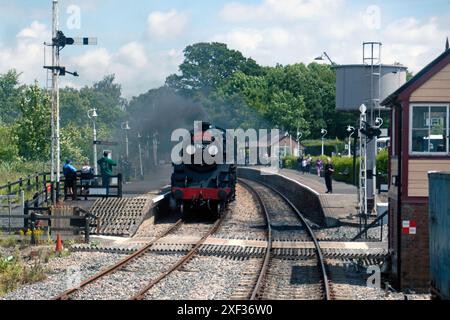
<point x="140" y="160"/>
<point x="324" y="133"/>
<point x="127" y="151"/>
<point x="95" y="150"/>
<point x="352" y="132"/>
<point x="155" y="149"/>
<point x="56" y="150"/>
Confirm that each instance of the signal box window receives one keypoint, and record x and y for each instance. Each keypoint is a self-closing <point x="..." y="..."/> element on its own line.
<point x="430" y="130"/>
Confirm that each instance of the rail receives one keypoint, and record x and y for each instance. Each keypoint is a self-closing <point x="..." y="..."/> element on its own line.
<point x="322" y="267"/>
<point x="265" y="266"/>
<point x="66" y="295"/>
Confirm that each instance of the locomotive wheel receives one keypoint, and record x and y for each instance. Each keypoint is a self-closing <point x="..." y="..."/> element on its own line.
<point x="220" y="208"/>
<point x="172" y="204"/>
<point x="182" y="208"/>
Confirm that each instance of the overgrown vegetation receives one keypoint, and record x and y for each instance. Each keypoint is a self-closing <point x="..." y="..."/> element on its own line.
<point x="15" y="272"/>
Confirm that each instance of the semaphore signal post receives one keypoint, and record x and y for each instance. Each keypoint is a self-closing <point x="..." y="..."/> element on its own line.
<point x="59" y="42"/>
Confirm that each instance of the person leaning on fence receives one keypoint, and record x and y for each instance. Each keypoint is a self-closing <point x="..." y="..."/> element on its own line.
<point x="87" y="175"/>
<point x="106" y="166"/>
<point x="70" y="180"/>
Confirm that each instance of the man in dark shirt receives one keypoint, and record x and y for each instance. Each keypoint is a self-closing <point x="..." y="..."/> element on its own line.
<point x="70" y="180"/>
<point x="329" y="170"/>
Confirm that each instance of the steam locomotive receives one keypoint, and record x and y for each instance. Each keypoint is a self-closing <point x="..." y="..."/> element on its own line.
<point x="208" y="183"/>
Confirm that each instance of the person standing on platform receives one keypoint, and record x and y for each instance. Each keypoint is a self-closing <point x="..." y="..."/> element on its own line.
<point x="308" y="164"/>
<point x="329" y="170"/>
<point x="319" y="167"/>
<point x="106" y="166"/>
<point x="304" y="165"/>
<point x="299" y="163"/>
<point x="87" y="175"/>
<point x="70" y="180"/>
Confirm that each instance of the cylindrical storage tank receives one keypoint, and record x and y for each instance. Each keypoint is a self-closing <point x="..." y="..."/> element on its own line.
<point x="353" y="84"/>
<point x="439" y="215"/>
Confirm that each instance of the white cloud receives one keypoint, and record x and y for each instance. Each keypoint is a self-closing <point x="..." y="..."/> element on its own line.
<point x="168" y="24"/>
<point x="26" y="54"/>
<point x="291" y="31"/>
<point x="265" y="45"/>
<point x="133" y="54"/>
<point x="278" y="9"/>
<point x="136" y="69"/>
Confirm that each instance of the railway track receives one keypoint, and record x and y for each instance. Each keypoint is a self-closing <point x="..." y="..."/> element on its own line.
<point x="121" y="264"/>
<point x="135" y="259"/>
<point x="184" y="260"/>
<point x="303" y="278"/>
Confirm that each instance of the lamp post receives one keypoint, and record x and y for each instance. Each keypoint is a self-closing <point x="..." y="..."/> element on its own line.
<point x="299" y="137"/>
<point x="92" y="114"/>
<point x="324" y="134"/>
<point x="155" y="147"/>
<point x="322" y="58"/>
<point x="351" y="130"/>
<point x="140" y="156"/>
<point x="126" y="127"/>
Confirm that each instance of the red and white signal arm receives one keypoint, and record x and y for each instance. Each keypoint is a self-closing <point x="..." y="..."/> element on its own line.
<point x="409" y="227"/>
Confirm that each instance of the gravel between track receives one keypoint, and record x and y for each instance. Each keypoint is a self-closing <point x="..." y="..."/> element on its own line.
<point x="203" y="278"/>
<point x="125" y="283"/>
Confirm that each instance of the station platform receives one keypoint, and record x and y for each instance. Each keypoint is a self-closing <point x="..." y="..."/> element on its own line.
<point x="308" y="193"/>
<point x="342" y="204"/>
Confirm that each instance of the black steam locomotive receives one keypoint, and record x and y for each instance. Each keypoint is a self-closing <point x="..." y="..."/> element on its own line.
<point x="204" y="184"/>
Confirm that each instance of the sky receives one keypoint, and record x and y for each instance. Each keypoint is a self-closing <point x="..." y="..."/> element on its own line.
<point x="142" y="41"/>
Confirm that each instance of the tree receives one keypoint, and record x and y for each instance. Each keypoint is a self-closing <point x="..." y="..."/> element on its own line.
<point x="33" y="128"/>
<point x="106" y="97"/>
<point x="10" y="95"/>
<point x="207" y="66"/>
<point x="9" y="151"/>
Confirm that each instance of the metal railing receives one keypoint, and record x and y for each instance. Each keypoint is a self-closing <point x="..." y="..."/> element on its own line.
<point x="36" y="191"/>
<point x="375" y="223"/>
<point x="80" y="221"/>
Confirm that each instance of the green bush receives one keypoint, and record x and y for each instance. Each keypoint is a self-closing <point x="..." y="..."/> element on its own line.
<point x="290" y="162"/>
<point x="8" y="144"/>
<point x="15" y="272"/>
<point x="343" y="169"/>
<point x="314" y="147"/>
<point x="13" y="171"/>
<point x="382" y="162"/>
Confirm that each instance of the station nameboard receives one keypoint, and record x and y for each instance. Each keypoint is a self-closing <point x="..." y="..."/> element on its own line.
<point x="106" y="143"/>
